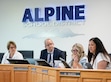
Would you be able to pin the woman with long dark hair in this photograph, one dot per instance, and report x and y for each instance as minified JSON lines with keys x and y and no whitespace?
{"x":97,"y":54}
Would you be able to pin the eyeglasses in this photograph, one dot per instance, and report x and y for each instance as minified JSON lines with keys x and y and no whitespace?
{"x":11,"y":47}
{"x":74,"y":50}
{"x":49,"y":44}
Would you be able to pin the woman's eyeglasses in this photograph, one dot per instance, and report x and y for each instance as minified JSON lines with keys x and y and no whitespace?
{"x":74,"y":50}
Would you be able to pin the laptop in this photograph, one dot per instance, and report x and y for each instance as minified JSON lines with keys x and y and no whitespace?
{"x":43,"y":62}
{"x":18,"y":61}
{"x":65,"y":63}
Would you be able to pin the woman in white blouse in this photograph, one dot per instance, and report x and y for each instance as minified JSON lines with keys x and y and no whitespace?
{"x":97,"y":54}
{"x":11,"y":53}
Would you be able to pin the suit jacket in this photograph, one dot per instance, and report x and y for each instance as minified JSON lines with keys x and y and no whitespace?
{"x":56,"y":54}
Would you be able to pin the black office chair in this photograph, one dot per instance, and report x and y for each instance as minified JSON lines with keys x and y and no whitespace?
{"x":1,"y":56}
{"x":27,"y":53}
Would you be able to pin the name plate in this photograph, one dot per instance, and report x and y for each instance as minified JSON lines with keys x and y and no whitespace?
{"x":33,"y":69}
{"x":69,"y":73}
{"x":21,"y":68}
{"x":45,"y":71}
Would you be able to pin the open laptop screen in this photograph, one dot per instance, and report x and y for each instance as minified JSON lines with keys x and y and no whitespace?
{"x":42,"y":62}
{"x":65,"y":63}
{"x":18,"y":61}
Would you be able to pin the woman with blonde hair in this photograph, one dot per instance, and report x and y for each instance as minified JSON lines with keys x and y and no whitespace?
{"x":79,"y":57}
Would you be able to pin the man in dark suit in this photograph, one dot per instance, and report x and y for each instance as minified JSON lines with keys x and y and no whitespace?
{"x":51,"y":53}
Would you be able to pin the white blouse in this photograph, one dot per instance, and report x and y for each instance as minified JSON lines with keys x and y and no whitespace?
{"x":99,"y":58}
{"x":17,"y":55}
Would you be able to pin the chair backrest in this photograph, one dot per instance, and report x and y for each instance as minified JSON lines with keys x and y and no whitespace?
{"x":1,"y":56}
{"x":27,"y":53}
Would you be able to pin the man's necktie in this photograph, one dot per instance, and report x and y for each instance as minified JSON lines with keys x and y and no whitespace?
{"x":51,"y":60}
{"x":49,"y":57}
